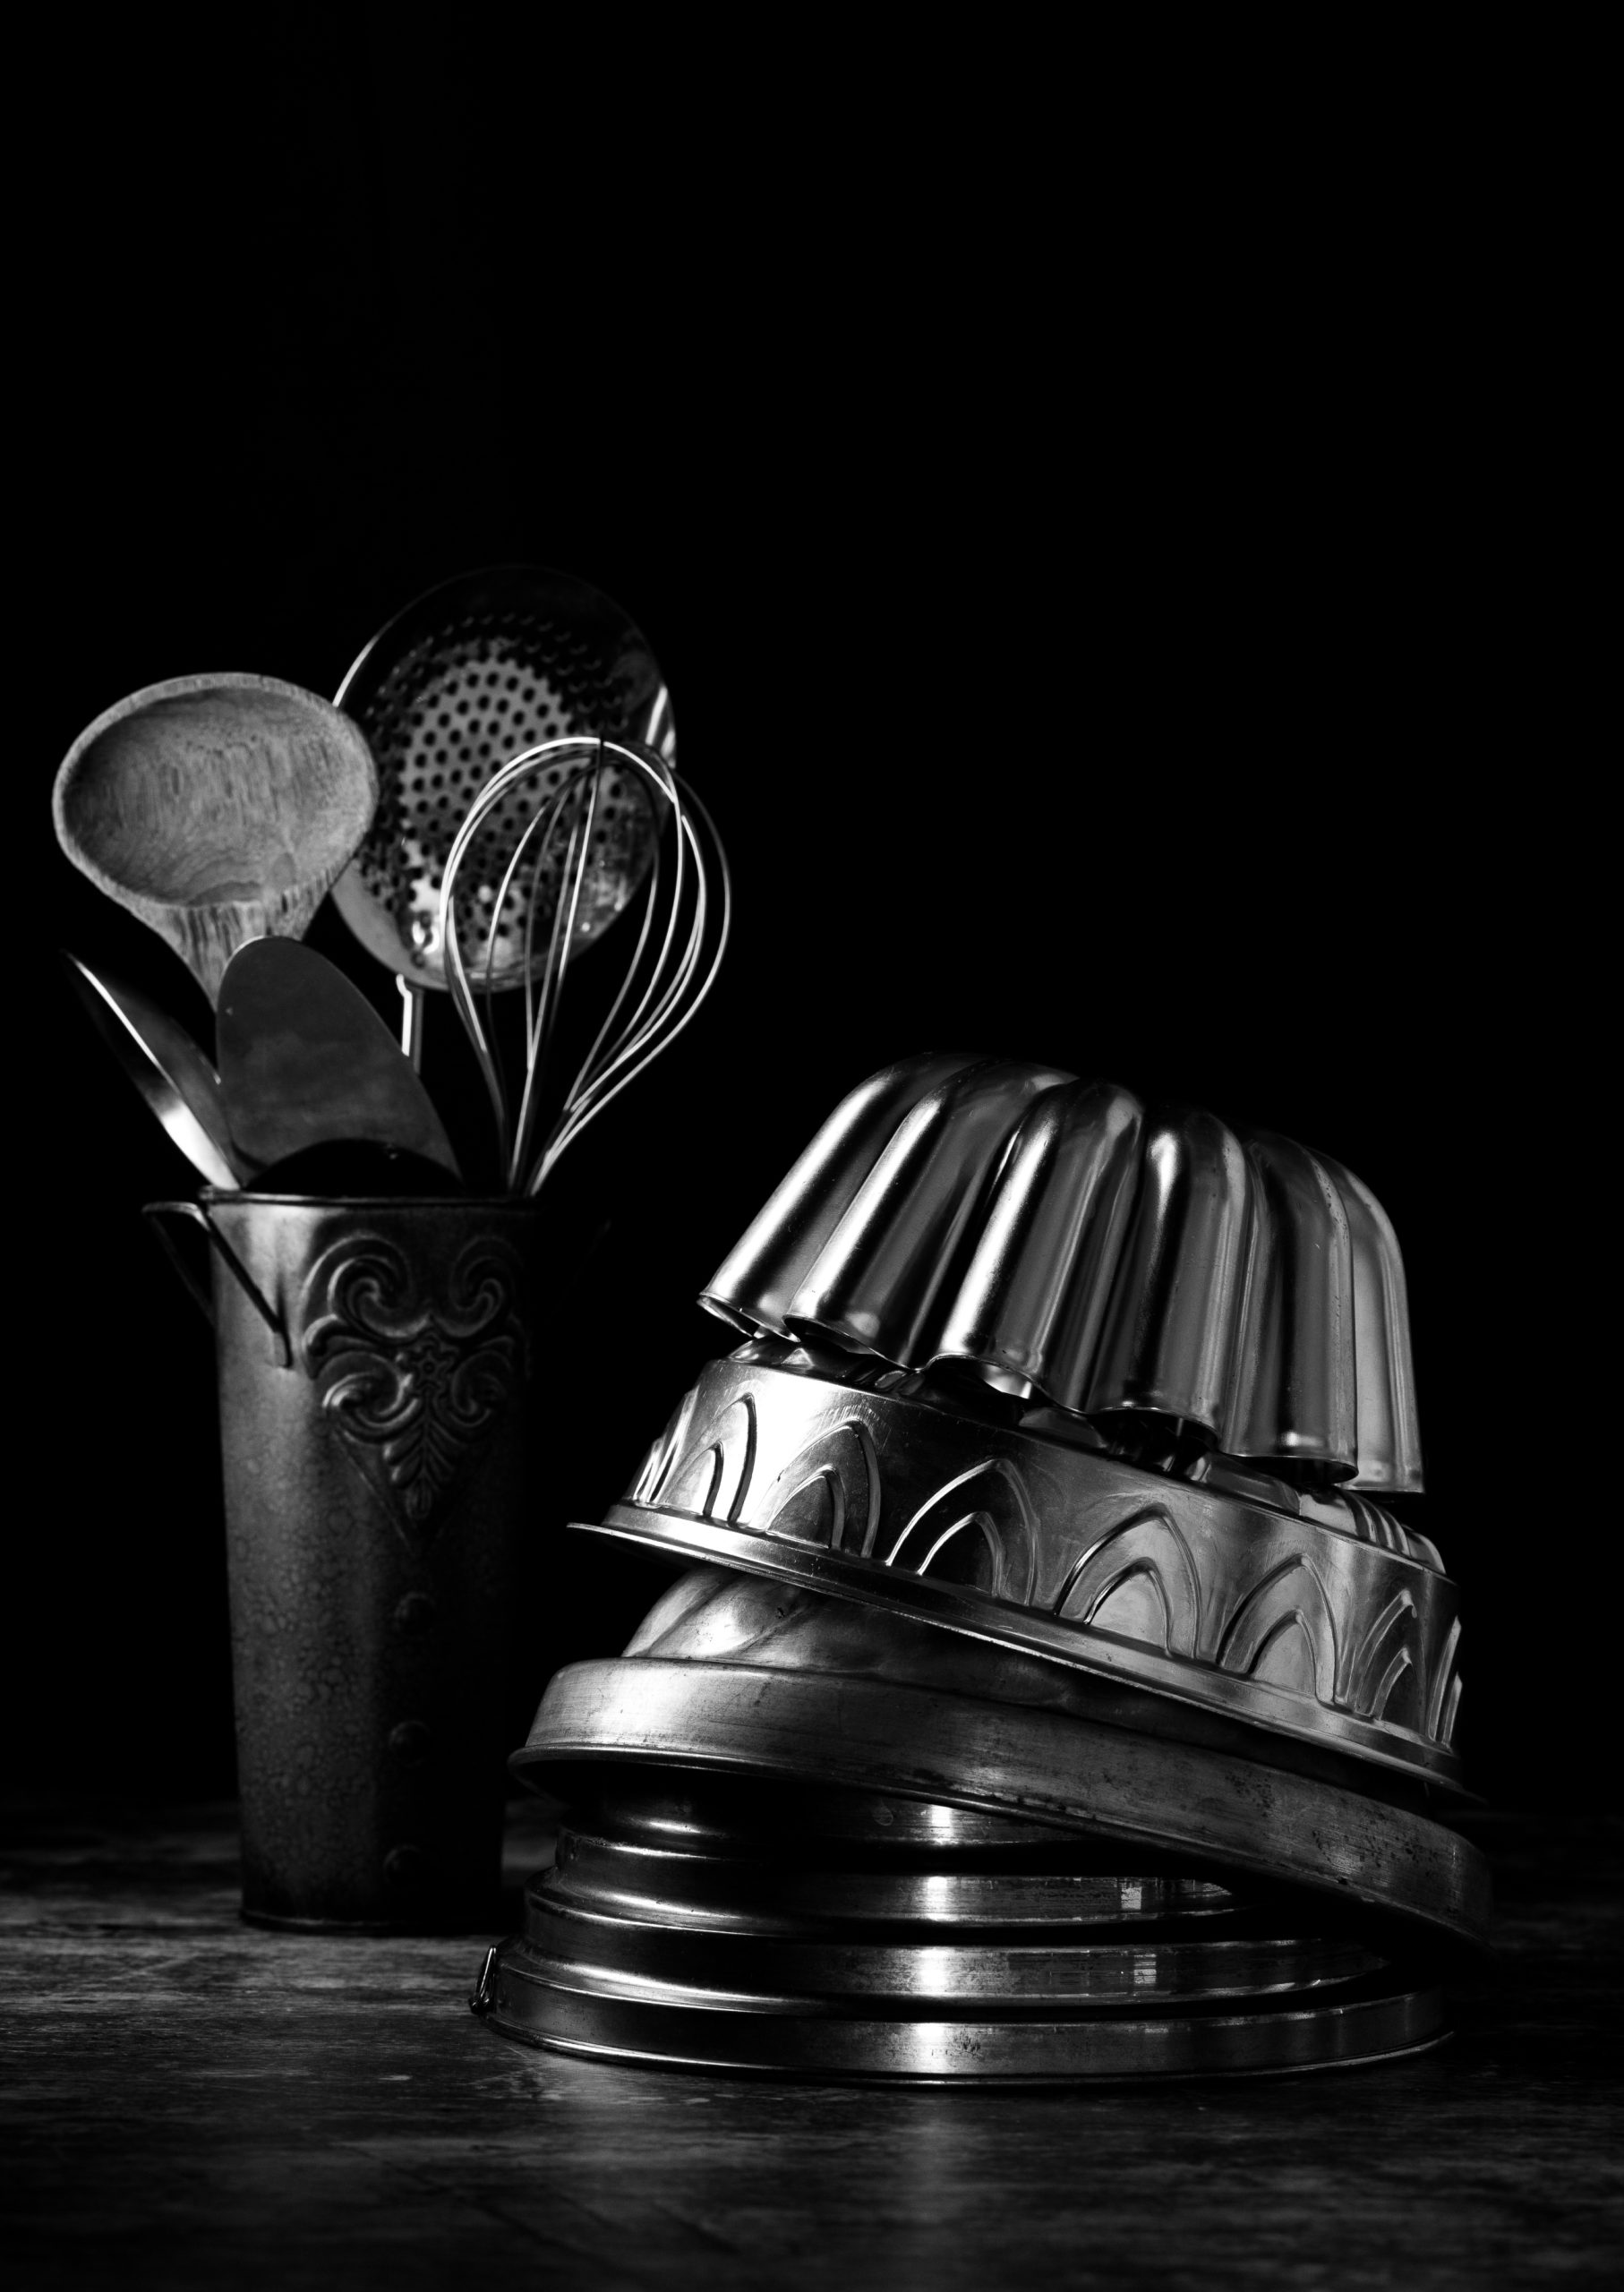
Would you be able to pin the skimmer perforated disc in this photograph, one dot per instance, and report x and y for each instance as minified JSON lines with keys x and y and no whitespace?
{"x":473,"y":672}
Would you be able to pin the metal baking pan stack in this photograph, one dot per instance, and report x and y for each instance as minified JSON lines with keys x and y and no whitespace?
{"x":1052,"y":1693}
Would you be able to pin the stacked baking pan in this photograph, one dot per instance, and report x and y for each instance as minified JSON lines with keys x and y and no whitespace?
{"x":1048,"y":1697}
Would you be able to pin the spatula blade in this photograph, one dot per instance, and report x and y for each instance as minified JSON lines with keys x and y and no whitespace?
{"x":306,"y":1061}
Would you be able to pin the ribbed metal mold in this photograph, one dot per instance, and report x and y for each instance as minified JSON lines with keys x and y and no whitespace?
{"x":1062,"y":1239}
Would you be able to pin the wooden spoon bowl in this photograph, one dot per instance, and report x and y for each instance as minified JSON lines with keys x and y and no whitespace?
{"x":218,"y":809}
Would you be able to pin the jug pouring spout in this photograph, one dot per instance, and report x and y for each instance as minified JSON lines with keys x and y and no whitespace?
{"x":197,"y":1213}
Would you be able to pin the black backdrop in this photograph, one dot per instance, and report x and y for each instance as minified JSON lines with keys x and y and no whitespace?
{"x":1094,"y":636}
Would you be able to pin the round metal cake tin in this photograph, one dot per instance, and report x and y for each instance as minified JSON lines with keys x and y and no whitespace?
{"x":877,"y":1734}
{"x":651,"y":1956}
{"x":778,"y":1898}
{"x":810,"y":1950}
{"x":544,"y":2004}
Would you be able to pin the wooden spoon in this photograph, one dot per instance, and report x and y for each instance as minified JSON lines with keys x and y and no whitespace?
{"x":217,"y":809}
{"x":306,"y":1061}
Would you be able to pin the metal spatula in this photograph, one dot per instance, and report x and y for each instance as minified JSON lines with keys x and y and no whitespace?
{"x":306,"y":1061}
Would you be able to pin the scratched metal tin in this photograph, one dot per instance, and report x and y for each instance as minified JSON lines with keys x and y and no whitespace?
{"x":568,"y":2010}
{"x":775,"y":1938}
{"x":755,"y":1682}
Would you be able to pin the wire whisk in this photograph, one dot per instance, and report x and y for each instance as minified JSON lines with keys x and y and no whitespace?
{"x":681,"y":938}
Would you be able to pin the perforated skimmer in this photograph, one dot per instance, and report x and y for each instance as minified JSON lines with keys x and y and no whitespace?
{"x":475,"y":672}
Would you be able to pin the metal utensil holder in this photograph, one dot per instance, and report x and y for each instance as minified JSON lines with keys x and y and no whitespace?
{"x":371,"y":1359}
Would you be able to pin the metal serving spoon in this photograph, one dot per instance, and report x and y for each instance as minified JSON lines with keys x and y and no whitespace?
{"x":306,"y":1061}
{"x":166,"y":1067}
{"x":216,"y":808}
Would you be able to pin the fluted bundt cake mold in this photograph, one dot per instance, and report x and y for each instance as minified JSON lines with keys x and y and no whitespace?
{"x":1316,"y":1617}
{"x":1067,"y":1243}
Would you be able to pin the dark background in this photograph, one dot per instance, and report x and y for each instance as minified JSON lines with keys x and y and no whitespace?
{"x":1109,"y":626}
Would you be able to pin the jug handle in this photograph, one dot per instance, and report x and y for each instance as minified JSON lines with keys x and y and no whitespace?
{"x":157,"y":1211}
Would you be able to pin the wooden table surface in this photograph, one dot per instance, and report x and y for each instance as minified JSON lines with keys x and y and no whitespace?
{"x":192,"y":2102}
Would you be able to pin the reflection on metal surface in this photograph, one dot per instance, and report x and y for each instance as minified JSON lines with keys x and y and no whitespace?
{"x":1169,"y":1344}
{"x":879,"y":1281}
{"x":714,"y":1892}
{"x":1324,"y":1620}
{"x":573,"y":2010}
{"x":1036,"y":1285}
{"x":1058,"y":1969}
{"x":1065,"y":1241}
{"x":1292,"y":1393}
{"x":1389,"y":1446}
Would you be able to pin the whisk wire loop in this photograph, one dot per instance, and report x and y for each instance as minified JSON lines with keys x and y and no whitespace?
{"x":651,"y":907}
{"x":462,"y":999}
{"x":538,"y":1038}
{"x":682,"y":935}
{"x":584,"y":1108}
{"x":536,"y":830}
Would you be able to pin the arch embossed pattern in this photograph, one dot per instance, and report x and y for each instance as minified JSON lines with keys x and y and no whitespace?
{"x":1332,"y":1623}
